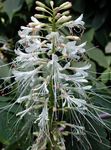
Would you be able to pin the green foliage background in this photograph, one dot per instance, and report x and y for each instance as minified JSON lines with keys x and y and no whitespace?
{"x":97,"y":15}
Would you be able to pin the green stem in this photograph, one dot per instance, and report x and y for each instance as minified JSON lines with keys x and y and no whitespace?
{"x":53,"y":22}
{"x":51,"y":105}
{"x":51,"y":92}
{"x":53,"y":30}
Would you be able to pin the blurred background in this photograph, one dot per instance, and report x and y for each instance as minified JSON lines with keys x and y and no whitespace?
{"x":97,"y":17}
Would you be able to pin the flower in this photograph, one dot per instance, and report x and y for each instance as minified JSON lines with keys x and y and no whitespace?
{"x":25,"y":31}
{"x":22,"y":99}
{"x":71,"y":101}
{"x":51,"y":77}
{"x":43,"y":118}
{"x":36,"y":24}
{"x":78,"y":21}
{"x":71,"y":50}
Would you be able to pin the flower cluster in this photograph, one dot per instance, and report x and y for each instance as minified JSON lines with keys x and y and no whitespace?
{"x":52,"y":74}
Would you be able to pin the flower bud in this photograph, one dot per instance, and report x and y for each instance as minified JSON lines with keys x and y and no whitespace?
{"x":40,"y":16}
{"x":52,"y":4}
{"x":57,"y":9}
{"x":50,"y":19}
{"x":41,"y":9}
{"x":32,"y":24}
{"x":40,"y":4}
{"x":64,"y":19}
{"x":73,"y":38}
{"x":66,"y":13}
{"x":58,"y":16}
{"x":65,"y":5}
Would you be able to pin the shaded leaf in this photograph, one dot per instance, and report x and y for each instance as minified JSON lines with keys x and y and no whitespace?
{"x":105,"y":76}
{"x":6,"y":128}
{"x":108,"y":48}
{"x":97,"y":55}
{"x":29,"y":3}
{"x":101,"y":142}
{"x":4,"y":70}
{"x":108,"y":58}
{"x":79,"y":6}
{"x":92,"y":70}
{"x":89,"y":35}
{"x":4,"y":99}
{"x":12,"y":6}
{"x":99,"y":19}
{"x":102,"y":37}
{"x":3,"y":39}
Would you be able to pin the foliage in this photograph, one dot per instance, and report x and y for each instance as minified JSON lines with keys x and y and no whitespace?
{"x":15,"y":13}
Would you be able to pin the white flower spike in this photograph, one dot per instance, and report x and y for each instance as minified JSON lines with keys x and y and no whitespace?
{"x":52,"y":75}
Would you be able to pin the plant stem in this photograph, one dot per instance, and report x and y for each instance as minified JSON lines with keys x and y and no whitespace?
{"x":53,"y":30}
{"x":51,"y":92}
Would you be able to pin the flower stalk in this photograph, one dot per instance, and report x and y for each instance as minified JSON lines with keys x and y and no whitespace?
{"x":52,"y":75}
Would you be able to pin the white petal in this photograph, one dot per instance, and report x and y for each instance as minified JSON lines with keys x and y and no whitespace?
{"x":87,"y":87}
{"x":79,"y":20}
{"x":35,"y":20}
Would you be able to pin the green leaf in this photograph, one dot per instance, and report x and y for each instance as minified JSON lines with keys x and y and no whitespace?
{"x":99,"y":19}
{"x":102,"y":97}
{"x":108,"y":48}
{"x":102,"y":36}
{"x":4,"y":99}
{"x":97,"y":55}
{"x":8,"y":120}
{"x":88,"y":36}
{"x":29,"y":3}
{"x":108,"y":60}
{"x":101,"y":142}
{"x":3,"y":39}
{"x":4,"y":70}
{"x":105,"y":76}
{"x":12,"y":6}
{"x":92,"y":70}
{"x":6,"y":127}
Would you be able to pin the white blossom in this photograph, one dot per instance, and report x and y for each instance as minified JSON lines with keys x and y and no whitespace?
{"x":43,"y":117}
{"x":23,"y":98}
{"x":71,"y":50}
{"x":76,"y":22}
{"x":41,"y":89}
{"x":24,"y":31}
{"x":79,"y":21}
{"x":36,"y":24}
{"x":46,"y":73}
{"x":20,"y":75}
{"x":71,"y":101}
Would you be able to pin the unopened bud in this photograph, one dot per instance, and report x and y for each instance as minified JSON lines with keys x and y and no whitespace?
{"x":73,"y":38}
{"x":32,"y":24}
{"x":40,"y":16}
{"x":64,"y":19}
{"x":41,"y":9}
{"x":52,"y":4}
{"x":57,"y":9}
{"x":58,"y":16}
{"x":50,"y":19}
{"x":66,"y":13}
{"x":40,"y":4}
{"x":65,"y":5}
